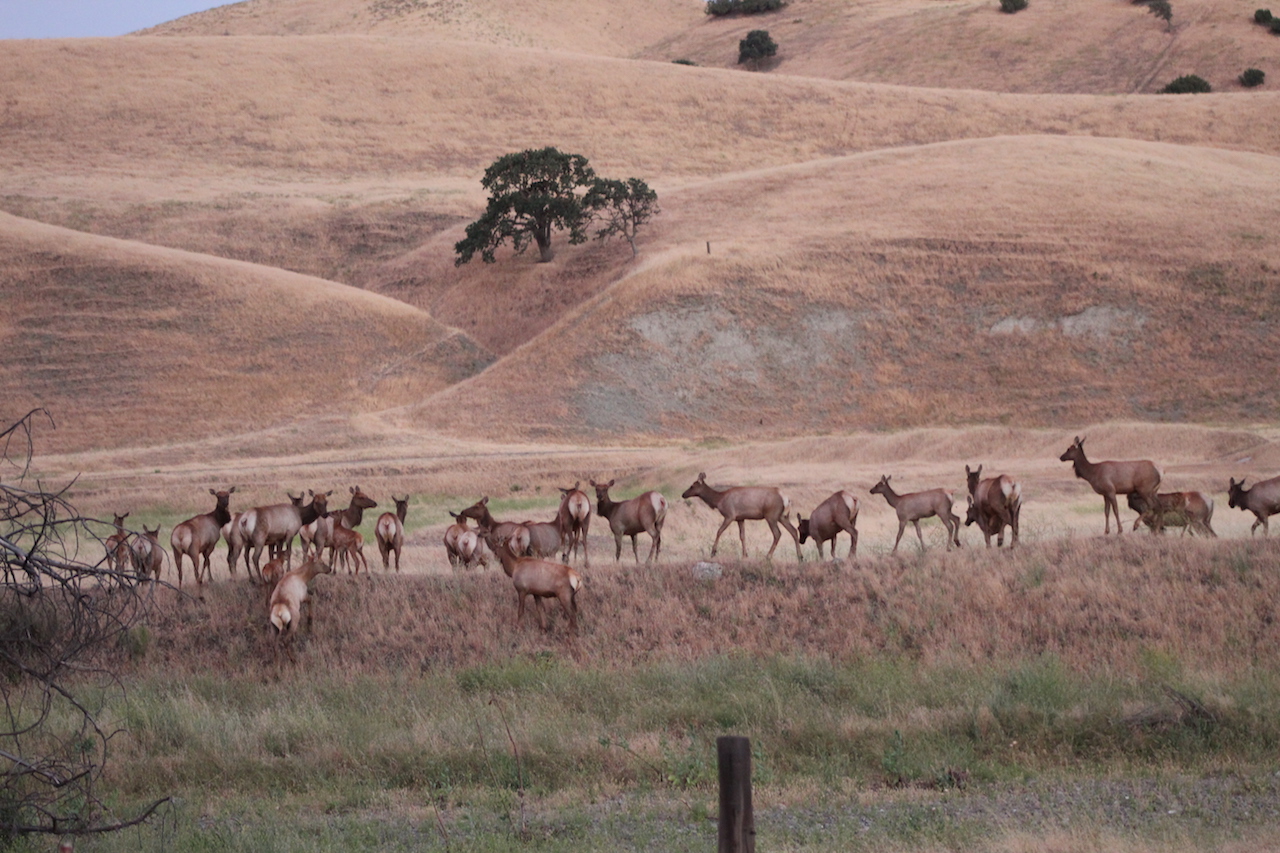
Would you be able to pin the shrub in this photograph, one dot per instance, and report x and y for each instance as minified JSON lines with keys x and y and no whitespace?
{"x":683,"y":62}
{"x":1011,"y":6}
{"x":756,"y":46}
{"x":1275,"y":26}
{"x":720,"y":8}
{"x":1252,"y":77}
{"x":1187,"y":84}
{"x":1262,"y":16}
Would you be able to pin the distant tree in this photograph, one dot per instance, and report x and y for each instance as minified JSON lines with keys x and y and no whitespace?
{"x":531,"y":193}
{"x":1162,"y":9}
{"x":1188,"y":84}
{"x":755,"y":47}
{"x":683,"y":62}
{"x":1252,"y":77}
{"x":1262,"y":16}
{"x":621,"y":207}
{"x":720,"y":8}
{"x":1011,"y":6}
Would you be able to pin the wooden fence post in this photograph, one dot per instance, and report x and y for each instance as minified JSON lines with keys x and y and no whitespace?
{"x":737,"y":833}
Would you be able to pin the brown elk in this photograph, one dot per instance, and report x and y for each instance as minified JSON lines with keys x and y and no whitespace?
{"x":350,"y":518}
{"x":1114,"y":478}
{"x":997,"y":502}
{"x":290,"y":596}
{"x":234,"y":537}
{"x":838,"y":512}
{"x":574,"y":518}
{"x":197,"y":536}
{"x":915,"y":506}
{"x":276,"y":525}
{"x":315,"y":536}
{"x":539,"y":578}
{"x":746,"y":503}
{"x":1192,"y":511}
{"x":147,"y":555}
{"x":348,"y":546}
{"x":479,"y":511}
{"x":1263,"y":500}
{"x":471,"y":549}
{"x":117,"y":544}
{"x":389,"y":531}
{"x":450,"y":539}
{"x":642,"y":514}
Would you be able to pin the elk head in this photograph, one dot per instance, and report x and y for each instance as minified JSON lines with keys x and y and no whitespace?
{"x":1073,"y":453}
{"x":1235,"y":494}
{"x":694,"y":490}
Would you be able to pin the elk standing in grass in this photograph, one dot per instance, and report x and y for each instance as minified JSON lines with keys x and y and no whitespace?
{"x":1263,"y":500}
{"x":471,"y":550}
{"x":838,"y":512}
{"x":746,"y":503}
{"x":290,"y":596}
{"x":348,"y":546}
{"x":479,"y":511}
{"x":574,"y":518}
{"x":642,"y":514}
{"x":1192,"y":511}
{"x":920,"y":505}
{"x":996,"y":503}
{"x":1114,"y":478}
{"x":147,"y":555}
{"x":315,"y":536}
{"x":539,"y":578}
{"x":275,"y":526}
{"x":389,"y":531}
{"x":197,"y":536}
{"x":117,"y":544}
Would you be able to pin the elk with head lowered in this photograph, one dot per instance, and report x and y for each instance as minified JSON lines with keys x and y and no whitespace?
{"x":838,"y":512}
{"x":642,"y":514}
{"x":994,"y":503}
{"x":1109,"y":479}
{"x":746,"y":503}
{"x":1192,"y":511}
{"x":915,"y":506}
{"x":1263,"y":500}
{"x":197,"y":536}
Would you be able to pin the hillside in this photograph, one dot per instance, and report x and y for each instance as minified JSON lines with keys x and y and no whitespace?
{"x":1064,"y":46}
{"x":881,"y":255}
{"x":126,"y":343}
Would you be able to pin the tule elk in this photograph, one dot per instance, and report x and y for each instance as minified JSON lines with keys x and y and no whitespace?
{"x":117,"y":544}
{"x":1114,"y":478}
{"x":574,"y":518}
{"x":147,"y":554}
{"x":1263,"y":500}
{"x":915,"y":506}
{"x":197,"y":536}
{"x":996,"y":503}
{"x":291,"y":595}
{"x":1192,"y":511}
{"x":479,"y":511}
{"x":642,"y":514}
{"x":389,"y":531}
{"x":275,"y":526}
{"x":538,"y":578}
{"x":746,"y":503}
{"x":838,"y":512}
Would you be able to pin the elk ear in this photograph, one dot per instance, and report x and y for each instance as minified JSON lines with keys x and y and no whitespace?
{"x":576,"y":483}
{"x":611,"y":482}
{"x":484,"y":501}
{"x":979,"y":471}
{"x":215,"y":494}
{"x":702,"y":476}
{"x":354,"y":489}
{"x":313,"y":494}
{"x":326,"y":494}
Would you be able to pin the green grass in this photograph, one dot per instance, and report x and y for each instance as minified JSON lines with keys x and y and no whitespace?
{"x":624,"y":759}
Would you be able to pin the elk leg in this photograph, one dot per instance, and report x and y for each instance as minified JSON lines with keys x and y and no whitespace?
{"x":542,"y":616}
{"x":742,"y":537}
{"x":634,"y":551}
{"x":617,"y":554}
{"x":716,"y":541}
{"x":902,"y":525}
{"x":920,"y":535}
{"x":795,"y":534}
{"x":655,"y":546}
{"x":777,"y":537}
{"x":519,"y":609}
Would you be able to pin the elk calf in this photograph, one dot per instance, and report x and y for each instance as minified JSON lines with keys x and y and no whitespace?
{"x":1263,"y":500}
{"x":838,"y":512}
{"x":746,"y":503}
{"x":918,"y":505}
{"x":1192,"y":511}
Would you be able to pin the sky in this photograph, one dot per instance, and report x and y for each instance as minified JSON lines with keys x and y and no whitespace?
{"x":25,"y":19}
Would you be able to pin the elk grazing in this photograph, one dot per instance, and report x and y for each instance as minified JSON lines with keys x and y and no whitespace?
{"x":539,"y":578}
{"x":1114,"y":478}
{"x":197,"y":536}
{"x":479,"y":511}
{"x":838,"y":512}
{"x":746,"y":503}
{"x":117,"y":544}
{"x":920,"y":505}
{"x":389,"y":531}
{"x":574,"y":518}
{"x":147,"y":554}
{"x":290,"y":596}
{"x":275,"y":525}
{"x":996,"y":503}
{"x":642,"y":514}
{"x":1192,"y":511}
{"x":1263,"y":500}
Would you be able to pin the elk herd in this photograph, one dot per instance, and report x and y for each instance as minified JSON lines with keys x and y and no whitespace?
{"x":535,"y":555}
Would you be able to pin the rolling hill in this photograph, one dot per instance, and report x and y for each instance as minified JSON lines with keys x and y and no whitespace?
{"x":881,"y":253}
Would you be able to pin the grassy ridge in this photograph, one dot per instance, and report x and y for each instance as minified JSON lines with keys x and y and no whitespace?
{"x":892,"y":705}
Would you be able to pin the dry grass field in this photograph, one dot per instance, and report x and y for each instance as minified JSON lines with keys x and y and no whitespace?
{"x":928,"y":235}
